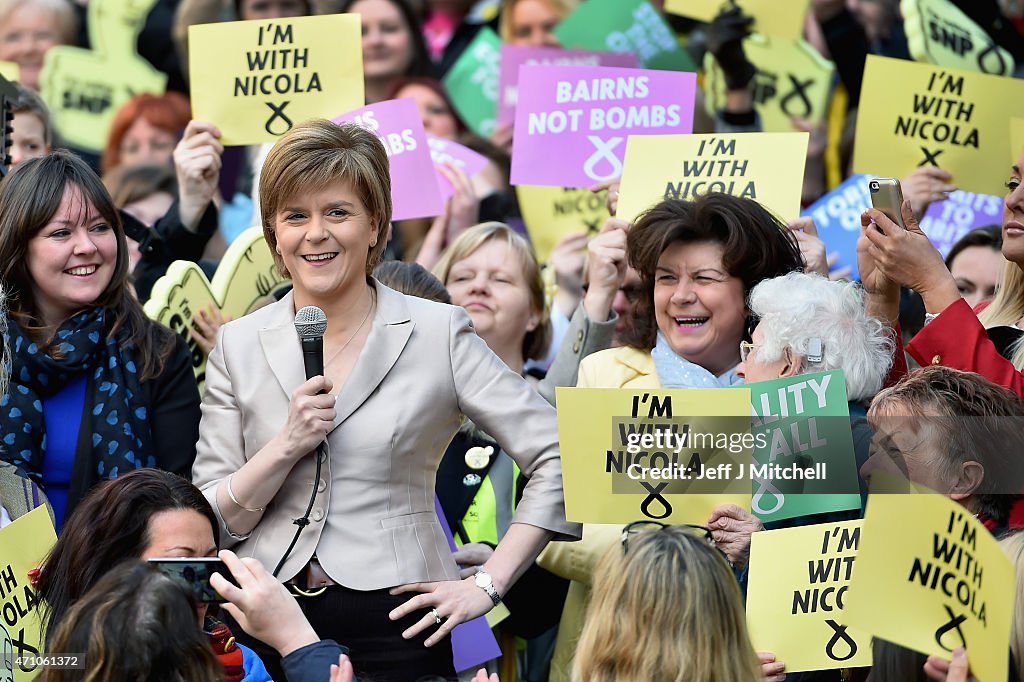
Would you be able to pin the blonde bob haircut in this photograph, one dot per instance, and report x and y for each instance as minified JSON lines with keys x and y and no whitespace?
{"x":536,"y":342}
{"x":62,"y":10}
{"x":560,"y":7}
{"x":316,"y":154}
{"x":668,"y":609}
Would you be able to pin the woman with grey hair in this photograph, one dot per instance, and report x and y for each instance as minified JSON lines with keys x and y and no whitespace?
{"x":807,"y":323}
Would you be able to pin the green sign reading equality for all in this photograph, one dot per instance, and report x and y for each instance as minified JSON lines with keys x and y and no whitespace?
{"x":625,"y":26}
{"x":802,"y":423}
{"x":472,"y":83}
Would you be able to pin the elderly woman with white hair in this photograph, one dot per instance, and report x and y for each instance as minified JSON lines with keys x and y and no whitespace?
{"x":807,"y":323}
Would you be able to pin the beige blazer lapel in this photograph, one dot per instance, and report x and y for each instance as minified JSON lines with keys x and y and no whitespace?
{"x":392,"y":327}
{"x":281,"y":347}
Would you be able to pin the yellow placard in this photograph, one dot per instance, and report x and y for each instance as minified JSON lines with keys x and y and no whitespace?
{"x":767,"y":167}
{"x":930,"y":577}
{"x":85,"y":88}
{"x":792,"y":81}
{"x":10,"y":70}
{"x":270,"y":75}
{"x":552,"y":213}
{"x":666,"y":455}
{"x":246,"y":279}
{"x":938,"y":32}
{"x":1016,"y":140}
{"x":796,"y":589}
{"x":23,"y":545}
{"x":771,"y":17}
{"x":914,"y":114}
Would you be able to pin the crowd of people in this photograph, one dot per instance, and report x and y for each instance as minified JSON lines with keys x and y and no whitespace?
{"x":363,"y":511}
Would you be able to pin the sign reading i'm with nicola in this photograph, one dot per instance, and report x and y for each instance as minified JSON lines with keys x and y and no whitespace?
{"x":256,"y":79}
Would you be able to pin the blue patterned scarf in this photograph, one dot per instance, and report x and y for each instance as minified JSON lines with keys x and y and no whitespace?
{"x":675,"y":371}
{"x":120,"y":435}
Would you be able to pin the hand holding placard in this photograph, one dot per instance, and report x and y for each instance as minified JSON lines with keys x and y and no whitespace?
{"x":246,"y":279}
{"x":197,"y":163}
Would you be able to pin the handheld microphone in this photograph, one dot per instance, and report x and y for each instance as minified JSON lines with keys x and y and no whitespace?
{"x":310,"y":325}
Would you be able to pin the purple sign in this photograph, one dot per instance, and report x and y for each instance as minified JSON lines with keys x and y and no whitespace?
{"x":947,"y":221}
{"x":572,"y":121}
{"x":514,"y":56}
{"x":473,"y":643}
{"x":398,"y":124}
{"x":444,"y":151}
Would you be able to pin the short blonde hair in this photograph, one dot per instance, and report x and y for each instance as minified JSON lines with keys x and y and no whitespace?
{"x":560,"y":7}
{"x":67,"y":21}
{"x":535,"y":345}
{"x":315,"y":154}
{"x":668,"y":608}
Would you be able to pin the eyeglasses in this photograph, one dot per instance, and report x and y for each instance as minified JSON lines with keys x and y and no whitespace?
{"x":637,"y":526}
{"x":745,"y":348}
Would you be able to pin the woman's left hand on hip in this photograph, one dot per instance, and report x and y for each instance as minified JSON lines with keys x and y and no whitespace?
{"x":453,"y":601}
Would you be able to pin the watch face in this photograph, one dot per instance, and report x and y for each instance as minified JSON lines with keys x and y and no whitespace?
{"x":482,"y":579}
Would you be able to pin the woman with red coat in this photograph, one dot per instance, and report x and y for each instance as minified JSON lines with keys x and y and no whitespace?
{"x":986,"y":340}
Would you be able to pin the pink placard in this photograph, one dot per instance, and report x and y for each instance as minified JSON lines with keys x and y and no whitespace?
{"x":572,"y":121}
{"x":447,"y":151}
{"x":397,"y":122}
{"x":514,"y":56}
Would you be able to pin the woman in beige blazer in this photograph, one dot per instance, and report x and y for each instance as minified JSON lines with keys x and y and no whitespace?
{"x":400,"y":374}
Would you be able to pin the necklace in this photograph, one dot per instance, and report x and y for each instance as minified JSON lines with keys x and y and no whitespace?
{"x":369,"y":309}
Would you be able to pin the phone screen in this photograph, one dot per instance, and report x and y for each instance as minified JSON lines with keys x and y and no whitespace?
{"x":194,"y":574}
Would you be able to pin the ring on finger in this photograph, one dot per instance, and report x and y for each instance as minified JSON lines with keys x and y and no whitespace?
{"x":437,"y":616}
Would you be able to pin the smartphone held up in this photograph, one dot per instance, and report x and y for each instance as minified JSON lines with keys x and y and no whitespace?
{"x":193,"y":573}
{"x":887,"y":197}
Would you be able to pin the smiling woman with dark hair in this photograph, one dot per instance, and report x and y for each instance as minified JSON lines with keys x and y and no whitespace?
{"x":97,"y":388}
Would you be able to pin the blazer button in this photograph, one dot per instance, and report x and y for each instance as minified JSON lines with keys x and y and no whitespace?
{"x":937,"y":360}
{"x":579,"y":335}
{"x":576,"y":347}
{"x":322,"y":486}
{"x":318,"y":515}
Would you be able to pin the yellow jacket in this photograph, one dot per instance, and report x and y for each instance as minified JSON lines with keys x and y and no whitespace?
{"x":577,"y":561}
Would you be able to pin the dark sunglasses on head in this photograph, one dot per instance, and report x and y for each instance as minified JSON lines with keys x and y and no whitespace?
{"x":637,"y":526}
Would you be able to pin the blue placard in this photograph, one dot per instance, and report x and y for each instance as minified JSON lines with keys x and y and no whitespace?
{"x":837,"y":216}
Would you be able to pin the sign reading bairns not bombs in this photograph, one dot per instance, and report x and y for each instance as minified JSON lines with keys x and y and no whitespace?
{"x":915,"y":115}
{"x":256,"y":79}
{"x":572,"y":121}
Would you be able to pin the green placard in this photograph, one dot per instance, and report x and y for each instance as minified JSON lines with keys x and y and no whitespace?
{"x":625,"y":26}
{"x":472,"y":82}
{"x":802,"y":423}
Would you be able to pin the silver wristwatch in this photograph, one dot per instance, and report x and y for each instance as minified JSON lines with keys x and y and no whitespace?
{"x":484,"y":582}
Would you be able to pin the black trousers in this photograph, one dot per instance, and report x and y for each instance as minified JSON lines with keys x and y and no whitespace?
{"x":359,"y":620}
